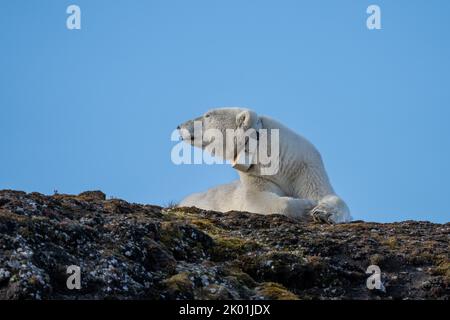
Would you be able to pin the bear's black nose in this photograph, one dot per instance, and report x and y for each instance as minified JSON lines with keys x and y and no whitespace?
{"x":178,"y":127}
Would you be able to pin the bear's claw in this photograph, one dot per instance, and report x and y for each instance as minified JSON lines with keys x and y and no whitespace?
{"x":321,"y":216}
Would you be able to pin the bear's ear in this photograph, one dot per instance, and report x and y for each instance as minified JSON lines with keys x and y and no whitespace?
{"x":246,"y":119}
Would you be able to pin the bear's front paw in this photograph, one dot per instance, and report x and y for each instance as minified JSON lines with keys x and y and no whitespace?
{"x":322,"y":214}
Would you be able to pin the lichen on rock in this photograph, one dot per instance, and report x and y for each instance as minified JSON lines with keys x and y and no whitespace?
{"x":133,"y":251}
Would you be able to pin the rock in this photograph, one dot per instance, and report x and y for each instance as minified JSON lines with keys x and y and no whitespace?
{"x":274,"y":291}
{"x":132,"y":251}
{"x":92,"y":195}
{"x":179,"y":286}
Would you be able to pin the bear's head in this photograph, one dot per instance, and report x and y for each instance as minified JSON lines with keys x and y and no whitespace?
{"x":229,"y":125}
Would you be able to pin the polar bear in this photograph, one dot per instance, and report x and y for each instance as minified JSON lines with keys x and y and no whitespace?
{"x":300,"y":188}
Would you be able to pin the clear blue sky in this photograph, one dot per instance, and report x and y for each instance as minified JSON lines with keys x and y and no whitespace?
{"x":94,"y":108}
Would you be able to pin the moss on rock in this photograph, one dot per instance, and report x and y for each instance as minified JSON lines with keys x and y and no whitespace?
{"x":275,"y":291}
{"x":133,"y":251}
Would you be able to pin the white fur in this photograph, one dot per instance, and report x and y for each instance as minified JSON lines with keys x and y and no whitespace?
{"x":300,"y":188}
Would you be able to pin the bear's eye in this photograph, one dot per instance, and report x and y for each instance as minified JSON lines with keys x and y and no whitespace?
{"x":207,"y":115}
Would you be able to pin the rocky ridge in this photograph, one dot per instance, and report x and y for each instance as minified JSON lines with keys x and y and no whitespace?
{"x":133,"y":251}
